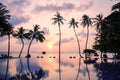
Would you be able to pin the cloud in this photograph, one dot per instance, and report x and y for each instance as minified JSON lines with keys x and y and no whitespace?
{"x":64,"y":41}
{"x":46,"y":30}
{"x":84,"y":7}
{"x":15,"y":20}
{"x":54,"y":7}
{"x":64,"y":6}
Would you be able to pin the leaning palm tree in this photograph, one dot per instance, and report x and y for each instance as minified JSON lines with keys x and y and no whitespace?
{"x":20,"y":34}
{"x":58,"y":19}
{"x":74,"y":24}
{"x":116,"y":6}
{"x":86,"y":22}
{"x":34,"y":34}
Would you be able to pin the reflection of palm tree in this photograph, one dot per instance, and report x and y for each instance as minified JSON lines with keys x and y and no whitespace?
{"x":7,"y":68}
{"x":74,"y":24}
{"x":86,"y":21}
{"x":78,"y":69}
{"x":59,"y":20}
{"x":116,"y":6}
{"x":60,"y":70}
{"x":20,"y":34}
{"x":88,"y":71}
{"x":21,"y":67}
{"x":35,"y":34}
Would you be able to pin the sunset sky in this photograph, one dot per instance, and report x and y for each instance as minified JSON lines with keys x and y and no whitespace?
{"x":27,"y":13}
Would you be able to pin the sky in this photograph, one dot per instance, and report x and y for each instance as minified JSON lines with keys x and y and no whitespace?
{"x":27,"y":13}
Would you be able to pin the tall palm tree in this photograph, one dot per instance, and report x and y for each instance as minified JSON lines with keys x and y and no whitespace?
{"x":20,"y":34}
{"x":34,"y":34}
{"x":58,"y":19}
{"x":5,"y":26}
{"x":74,"y":24}
{"x":100,"y":23}
{"x":86,"y":22}
{"x":116,"y":6}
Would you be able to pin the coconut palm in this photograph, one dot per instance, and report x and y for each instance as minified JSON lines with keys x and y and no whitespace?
{"x":20,"y":34}
{"x":5,"y":26}
{"x":58,"y":19}
{"x":116,"y":6}
{"x":99,"y":22}
{"x":34,"y":34}
{"x":86,"y":22}
{"x":74,"y":24}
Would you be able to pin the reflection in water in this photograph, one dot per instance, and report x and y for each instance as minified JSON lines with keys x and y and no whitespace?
{"x":78,"y":69}
{"x":69,"y":69}
{"x":108,"y":70}
{"x":34,"y":75}
{"x":7,"y":68}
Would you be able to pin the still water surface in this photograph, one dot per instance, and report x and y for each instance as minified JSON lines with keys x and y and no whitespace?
{"x":46,"y":67}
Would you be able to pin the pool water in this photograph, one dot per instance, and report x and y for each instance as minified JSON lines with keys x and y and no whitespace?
{"x":46,"y":67}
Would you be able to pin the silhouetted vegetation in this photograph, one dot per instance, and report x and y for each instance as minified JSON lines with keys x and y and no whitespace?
{"x":5,"y":26}
{"x":74,"y":24}
{"x":34,"y":34}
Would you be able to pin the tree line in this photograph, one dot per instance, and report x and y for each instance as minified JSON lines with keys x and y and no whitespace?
{"x":107,"y":28}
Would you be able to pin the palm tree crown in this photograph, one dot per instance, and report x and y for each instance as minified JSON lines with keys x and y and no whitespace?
{"x":86,"y":21}
{"x":58,"y":19}
{"x":73,"y":23}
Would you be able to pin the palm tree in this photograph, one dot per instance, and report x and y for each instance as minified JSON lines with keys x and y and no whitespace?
{"x":74,"y":24}
{"x":116,"y":6}
{"x":5,"y":26}
{"x":86,"y":22}
{"x":59,"y":20}
{"x":99,"y":22}
{"x":20,"y":34}
{"x":34,"y":34}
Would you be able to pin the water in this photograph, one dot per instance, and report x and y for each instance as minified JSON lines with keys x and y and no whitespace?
{"x":46,"y":67}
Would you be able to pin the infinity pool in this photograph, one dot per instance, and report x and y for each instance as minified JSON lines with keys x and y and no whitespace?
{"x":46,"y":67}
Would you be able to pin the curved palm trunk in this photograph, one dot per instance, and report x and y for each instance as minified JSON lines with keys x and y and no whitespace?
{"x":8,"y":45}
{"x":21,"y":67}
{"x":29,"y":46}
{"x":78,"y":43}
{"x":78,"y":69}
{"x":87,"y":40}
{"x":59,"y":50}
{"x":21,"y":48}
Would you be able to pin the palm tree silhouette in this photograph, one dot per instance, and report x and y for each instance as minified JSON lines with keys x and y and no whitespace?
{"x":59,"y":20}
{"x":86,"y":21}
{"x":34,"y":34}
{"x":5,"y":26}
{"x":116,"y":6}
{"x":99,"y":22}
{"x":20,"y":34}
{"x":74,"y":24}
